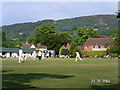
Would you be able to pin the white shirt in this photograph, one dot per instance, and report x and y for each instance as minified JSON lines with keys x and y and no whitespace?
{"x":47,"y":54}
{"x":39,"y":53}
{"x":34,"y":52}
{"x":77,"y":54}
{"x":20,"y":52}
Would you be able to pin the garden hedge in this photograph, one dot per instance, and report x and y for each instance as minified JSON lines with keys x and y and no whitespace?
{"x":93,"y":53}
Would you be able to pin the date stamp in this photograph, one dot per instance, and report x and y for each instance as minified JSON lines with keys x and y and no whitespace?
{"x":107,"y":81}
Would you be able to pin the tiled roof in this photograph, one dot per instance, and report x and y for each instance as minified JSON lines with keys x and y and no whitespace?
{"x":26,"y":45}
{"x":41,"y":46}
{"x":98,"y":41}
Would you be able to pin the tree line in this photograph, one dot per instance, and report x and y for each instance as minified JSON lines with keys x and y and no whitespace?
{"x":101,"y":23}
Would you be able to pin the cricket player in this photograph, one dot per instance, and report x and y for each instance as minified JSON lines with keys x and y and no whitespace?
{"x":39,"y":55}
{"x":26,"y":55}
{"x":43,"y":55}
{"x":78,"y":56}
{"x":20,"y":56}
{"x":47,"y":54}
{"x":34,"y":55}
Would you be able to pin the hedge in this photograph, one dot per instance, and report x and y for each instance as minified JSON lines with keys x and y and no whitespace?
{"x":93,"y":53}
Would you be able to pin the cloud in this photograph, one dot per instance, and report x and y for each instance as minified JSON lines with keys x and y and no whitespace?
{"x":14,"y":12}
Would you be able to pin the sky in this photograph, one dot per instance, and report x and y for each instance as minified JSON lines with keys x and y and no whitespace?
{"x":21,"y":12}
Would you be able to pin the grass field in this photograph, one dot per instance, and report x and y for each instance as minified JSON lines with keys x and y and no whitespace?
{"x":60,"y":73}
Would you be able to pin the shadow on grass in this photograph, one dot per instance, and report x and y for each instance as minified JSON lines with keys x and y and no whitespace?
{"x":4,"y":71}
{"x":21,"y":80}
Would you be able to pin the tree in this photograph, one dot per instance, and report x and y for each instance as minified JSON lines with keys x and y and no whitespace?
{"x":115,"y":47}
{"x":54,"y":41}
{"x":2,"y":39}
{"x":42,"y":30}
{"x":47,"y":35}
{"x":45,"y":29}
{"x":73,"y":45}
{"x":86,"y":32}
{"x":76,"y":49}
{"x":83,"y":33}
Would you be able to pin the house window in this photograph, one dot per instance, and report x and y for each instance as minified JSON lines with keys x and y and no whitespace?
{"x":98,"y":46}
{"x":93,"y":46}
{"x":87,"y":46}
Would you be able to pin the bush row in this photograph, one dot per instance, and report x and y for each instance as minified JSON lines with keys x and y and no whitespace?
{"x":93,"y":53}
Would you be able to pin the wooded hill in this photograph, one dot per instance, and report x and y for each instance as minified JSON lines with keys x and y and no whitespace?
{"x":105,"y":25}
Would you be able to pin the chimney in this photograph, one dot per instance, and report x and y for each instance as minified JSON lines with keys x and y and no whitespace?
{"x":27,"y":42}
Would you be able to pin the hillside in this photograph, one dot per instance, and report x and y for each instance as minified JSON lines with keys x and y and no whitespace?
{"x":105,"y":25}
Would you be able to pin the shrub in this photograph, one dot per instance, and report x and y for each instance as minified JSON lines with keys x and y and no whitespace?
{"x":114,"y":51}
{"x":76,"y":49}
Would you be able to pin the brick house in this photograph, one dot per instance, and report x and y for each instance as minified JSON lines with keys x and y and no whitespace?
{"x":97,"y":44}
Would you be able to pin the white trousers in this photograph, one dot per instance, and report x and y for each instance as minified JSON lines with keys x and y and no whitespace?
{"x":20,"y":59}
{"x":34,"y":57}
{"x":78,"y":57}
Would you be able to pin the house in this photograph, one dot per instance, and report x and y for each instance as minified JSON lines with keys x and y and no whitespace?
{"x":41,"y":47}
{"x":97,"y":44}
{"x":28,"y":45}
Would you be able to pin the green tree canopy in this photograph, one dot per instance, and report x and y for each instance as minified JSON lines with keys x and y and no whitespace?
{"x":54,"y":41}
{"x":115,"y":48}
{"x":76,"y":49}
{"x":86,"y":32}
{"x":83,"y":33}
{"x":47,"y":35}
{"x":2,"y":39}
{"x":45,"y":29}
{"x":42,"y":30}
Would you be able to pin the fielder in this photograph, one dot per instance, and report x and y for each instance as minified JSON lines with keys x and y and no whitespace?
{"x":26,"y":55}
{"x":39,"y":55}
{"x":78,"y":56}
{"x":20,"y":55}
{"x":34,"y":55}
